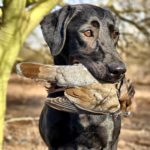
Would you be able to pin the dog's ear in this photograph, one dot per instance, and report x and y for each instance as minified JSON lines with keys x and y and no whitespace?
{"x":54,"y":27}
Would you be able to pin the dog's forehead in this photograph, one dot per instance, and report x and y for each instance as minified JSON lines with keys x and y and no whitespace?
{"x":86,"y":13}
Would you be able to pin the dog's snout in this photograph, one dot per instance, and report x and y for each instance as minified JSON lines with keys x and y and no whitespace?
{"x":117,"y":68}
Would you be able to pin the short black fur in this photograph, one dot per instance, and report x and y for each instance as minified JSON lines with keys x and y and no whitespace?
{"x":65,"y":33}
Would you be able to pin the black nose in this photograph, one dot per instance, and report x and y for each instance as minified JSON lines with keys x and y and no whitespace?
{"x":117,"y":68}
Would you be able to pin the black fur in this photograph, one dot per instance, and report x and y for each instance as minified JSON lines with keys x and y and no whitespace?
{"x":64,"y":33}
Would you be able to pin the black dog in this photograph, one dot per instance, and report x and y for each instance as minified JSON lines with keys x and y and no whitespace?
{"x":82,"y":34}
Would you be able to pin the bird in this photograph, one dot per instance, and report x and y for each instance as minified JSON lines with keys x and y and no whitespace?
{"x":83,"y":95}
{"x":94,"y":98}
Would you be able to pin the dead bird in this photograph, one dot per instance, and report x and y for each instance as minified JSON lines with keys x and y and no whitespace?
{"x":84,"y":94}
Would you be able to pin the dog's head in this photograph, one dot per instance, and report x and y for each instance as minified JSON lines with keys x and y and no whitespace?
{"x":85,"y":34}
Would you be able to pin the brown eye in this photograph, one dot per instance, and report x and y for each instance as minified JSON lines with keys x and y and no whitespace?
{"x":113,"y":31}
{"x":88,"y":33}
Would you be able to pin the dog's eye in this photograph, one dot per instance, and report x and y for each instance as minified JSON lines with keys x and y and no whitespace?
{"x":115,"y":34}
{"x":88,"y":33}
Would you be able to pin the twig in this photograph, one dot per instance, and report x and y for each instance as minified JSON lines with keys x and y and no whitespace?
{"x":20,"y":119}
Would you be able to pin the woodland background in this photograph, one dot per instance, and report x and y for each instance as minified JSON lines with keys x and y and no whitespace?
{"x":25,"y":98}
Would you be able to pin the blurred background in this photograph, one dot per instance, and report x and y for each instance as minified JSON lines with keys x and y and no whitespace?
{"x":25,"y":98}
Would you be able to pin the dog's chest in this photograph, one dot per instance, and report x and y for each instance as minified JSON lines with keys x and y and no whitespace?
{"x":97,"y":120}
{"x":95,"y":128}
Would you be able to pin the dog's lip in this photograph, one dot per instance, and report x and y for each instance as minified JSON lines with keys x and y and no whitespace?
{"x":75,"y":62}
{"x":115,"y":75}
{"x":113,"y":78}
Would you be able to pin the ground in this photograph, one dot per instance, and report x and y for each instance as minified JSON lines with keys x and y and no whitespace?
{"x":25,"y":99}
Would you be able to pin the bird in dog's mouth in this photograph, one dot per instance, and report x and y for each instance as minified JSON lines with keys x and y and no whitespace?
{"x":82,"y":93}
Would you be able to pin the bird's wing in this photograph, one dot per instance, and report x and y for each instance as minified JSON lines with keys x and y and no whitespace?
{"x":92,"y":100}
{"x":81,"y":93}
{"x":62,"y":104}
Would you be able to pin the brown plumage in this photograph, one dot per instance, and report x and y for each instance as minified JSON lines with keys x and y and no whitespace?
{"x":82,"y":92}
{"x":99,"y":100}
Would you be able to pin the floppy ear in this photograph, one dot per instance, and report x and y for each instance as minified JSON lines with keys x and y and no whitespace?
{"x":54,"y":27}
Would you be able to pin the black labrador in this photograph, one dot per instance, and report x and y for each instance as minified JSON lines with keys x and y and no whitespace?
{"x":84,"y":34}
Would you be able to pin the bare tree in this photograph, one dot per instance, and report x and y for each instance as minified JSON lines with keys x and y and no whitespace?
{"x":134,"y":21}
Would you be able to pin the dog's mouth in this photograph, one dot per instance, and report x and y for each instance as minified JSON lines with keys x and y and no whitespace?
{"x":113,"y":78}
{"x":100,"y":71}
{"x":102,"y":74}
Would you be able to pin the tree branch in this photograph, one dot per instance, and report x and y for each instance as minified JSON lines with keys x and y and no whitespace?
{"x":127,"y":10}
{"x":140,"y":28}
{"x":12,"y":10}
{"x":31,"y":2}
{"x":36,"y":14}
{"x":132,"y":22}
{"x":0,"y":13}
{"x":21,"y":119}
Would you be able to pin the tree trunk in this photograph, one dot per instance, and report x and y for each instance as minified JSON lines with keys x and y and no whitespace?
{"x":17,"y":23}
{"x":8,"y":57}
{"x":3,"y":88}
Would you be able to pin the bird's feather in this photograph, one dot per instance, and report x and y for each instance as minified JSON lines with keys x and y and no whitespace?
{"x":62,"y":104}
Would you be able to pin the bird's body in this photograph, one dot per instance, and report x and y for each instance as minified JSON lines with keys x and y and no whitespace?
{"x":95,"y":98}
{"x":85,"y":93}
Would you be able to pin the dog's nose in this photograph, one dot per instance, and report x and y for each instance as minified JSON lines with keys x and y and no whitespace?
{"x":117,"y":68}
